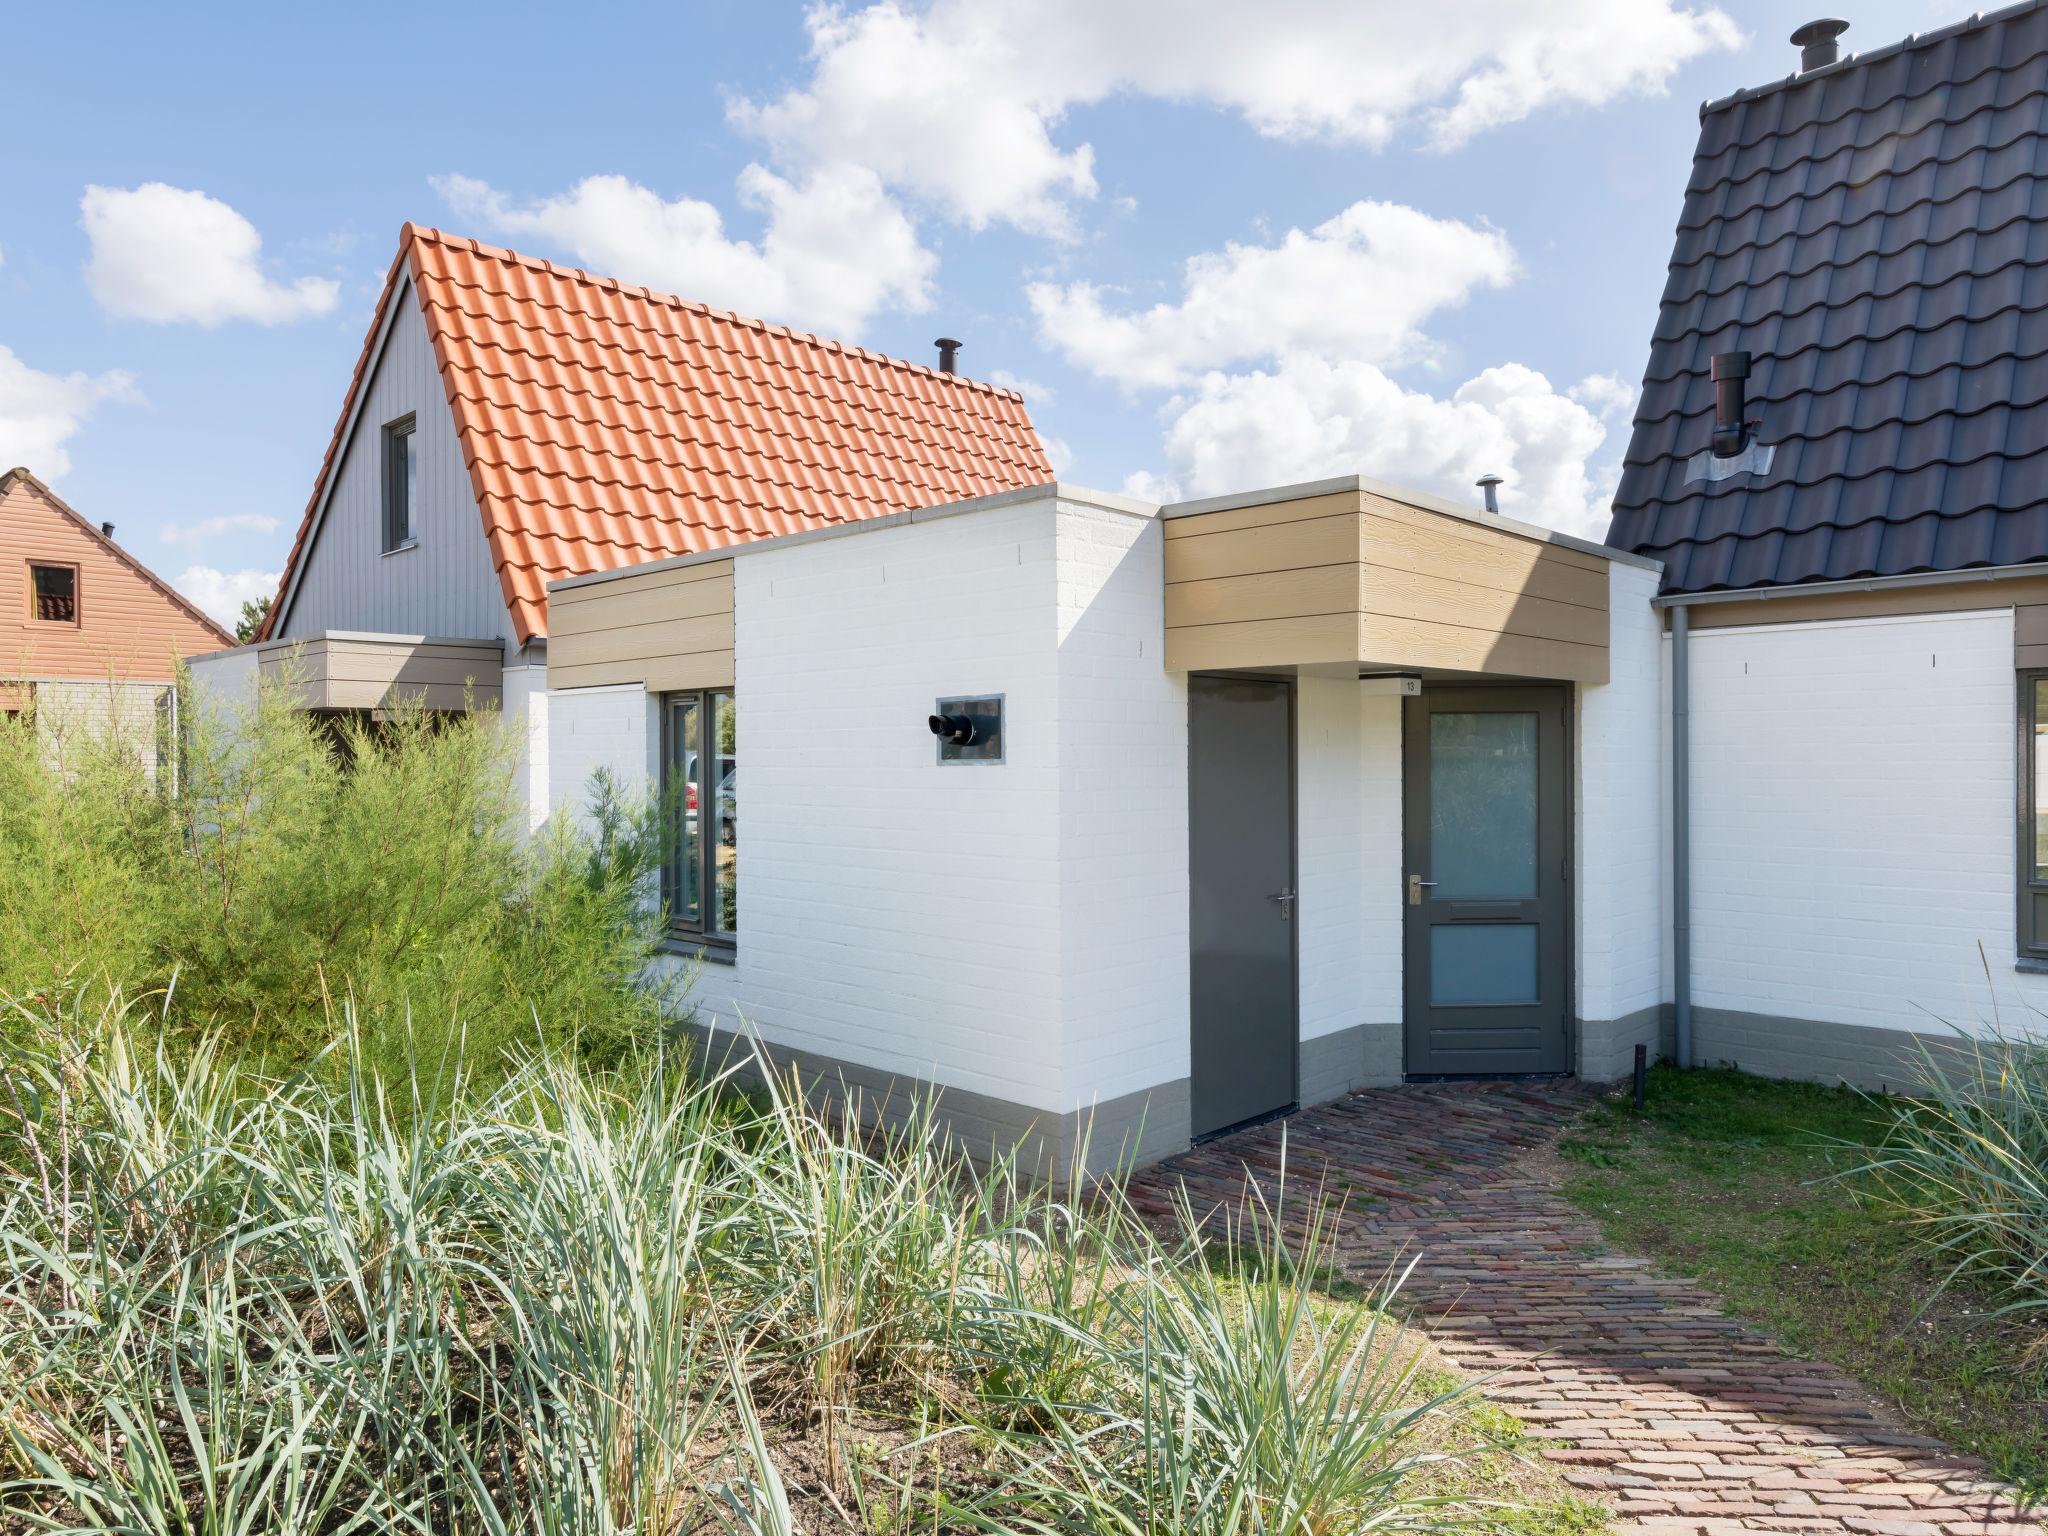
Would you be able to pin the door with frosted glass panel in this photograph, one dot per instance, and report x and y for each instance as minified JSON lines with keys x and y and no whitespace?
{"x":1488,"y":941}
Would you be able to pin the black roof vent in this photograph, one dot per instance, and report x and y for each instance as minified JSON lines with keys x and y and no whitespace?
{"x":1816,"y":43}
{"x":106,"y":530}
{"x":1731,"y":427}
{"x":949,"y":353}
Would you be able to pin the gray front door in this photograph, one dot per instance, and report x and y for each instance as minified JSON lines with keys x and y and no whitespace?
{"x":1488,"y":935}
{"x":1241,"y":899}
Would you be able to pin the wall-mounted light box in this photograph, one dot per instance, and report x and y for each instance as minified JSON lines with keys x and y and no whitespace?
{"x":970,"y":730}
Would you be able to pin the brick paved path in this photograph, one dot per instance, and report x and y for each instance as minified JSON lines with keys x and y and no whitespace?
{"x":1680,"y":1419}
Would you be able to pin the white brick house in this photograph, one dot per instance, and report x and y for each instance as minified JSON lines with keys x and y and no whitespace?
{"x":1138,"y":822}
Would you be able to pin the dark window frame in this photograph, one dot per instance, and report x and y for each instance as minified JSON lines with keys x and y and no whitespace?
{"x":2031,"y":930}
{"x":702,"y":931}
{"x":401,"y":486}
{"x":77,"y":619}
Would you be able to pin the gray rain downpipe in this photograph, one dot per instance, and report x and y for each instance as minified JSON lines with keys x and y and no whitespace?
{"x":1681,"y":834}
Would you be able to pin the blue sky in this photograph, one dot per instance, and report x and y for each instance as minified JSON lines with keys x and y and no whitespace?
{"x":1218,"y":245}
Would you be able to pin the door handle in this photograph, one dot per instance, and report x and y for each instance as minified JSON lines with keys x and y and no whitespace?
{"x":1416,"y":886}
{"x":1286,"y":900}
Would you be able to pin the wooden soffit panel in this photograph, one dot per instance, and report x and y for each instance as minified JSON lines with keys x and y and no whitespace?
{"x":664,"y":629}
{"x":1353,"y":576}
{"x":374,"y":672}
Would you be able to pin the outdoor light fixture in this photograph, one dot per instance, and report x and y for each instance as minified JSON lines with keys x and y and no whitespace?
{"x":969,"y":730}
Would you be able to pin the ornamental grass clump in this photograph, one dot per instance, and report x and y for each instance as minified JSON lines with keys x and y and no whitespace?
{"x":1964,"y":1162}
{"x":622,"y":1299}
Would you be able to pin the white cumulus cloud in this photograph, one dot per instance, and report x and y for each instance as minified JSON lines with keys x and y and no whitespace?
{"x":214,"y":527}
{"x":1310,"y":418}
{"x":835,"y":249}
{"x":169,"y":254}
{"x":960,"y":103}
{"x":1359,"y":285}
{"x":220,"y":594}
{"x":41,"y":412}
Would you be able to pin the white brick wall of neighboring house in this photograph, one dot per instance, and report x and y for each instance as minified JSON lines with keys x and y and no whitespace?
{"x":1621,"y":785}
{"x":1853,"y":786}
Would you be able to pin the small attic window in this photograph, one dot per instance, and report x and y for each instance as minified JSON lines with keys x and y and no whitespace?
{"x":53,"y":594}
{"x":401,"y":483}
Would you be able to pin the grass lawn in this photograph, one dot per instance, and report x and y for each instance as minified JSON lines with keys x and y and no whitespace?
{"x":1737,"y":1181}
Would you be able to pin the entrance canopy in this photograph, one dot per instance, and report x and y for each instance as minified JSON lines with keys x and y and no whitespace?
{"x":1353,"y":571}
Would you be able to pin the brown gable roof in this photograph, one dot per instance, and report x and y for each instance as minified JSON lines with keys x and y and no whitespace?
{"x":605,"y":424}
{"x":19,"y":477}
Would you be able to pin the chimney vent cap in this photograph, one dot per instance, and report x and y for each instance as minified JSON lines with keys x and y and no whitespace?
{"x":949,"y":353}
{"x":106,"y":530}
{"x":1816,"y":42}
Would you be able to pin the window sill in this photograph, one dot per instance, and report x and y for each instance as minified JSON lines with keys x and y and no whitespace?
{"x":689,"y":946}
{"x":399,"y":549}
{"x":2026,"y":965}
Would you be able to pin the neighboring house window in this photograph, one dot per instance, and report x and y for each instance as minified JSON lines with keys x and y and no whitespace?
{"x":401,"y":482}
{"x":700,"y":773}
{"x":2033,"y":861}
{"x":53,"y":594}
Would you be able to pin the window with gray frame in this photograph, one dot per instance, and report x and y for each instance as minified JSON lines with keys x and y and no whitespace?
{"x":401,"y":482}
{"x":2033,"y":817}
{"x":699,"y":781}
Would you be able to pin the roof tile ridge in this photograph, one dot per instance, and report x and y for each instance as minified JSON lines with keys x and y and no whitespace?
{"x":1790,"y":275}
{"x":1978,"y":21}
{"x":1716,"y":253}
{"x":1872,"y":108}
{"x":1760,"y":400}
{"x":1658,"y":334}
{"x":1816,"y":346}
{"x":1809,"y":192}
{"x":1811,"y":438}
{"x":1727,"y":488}
{"x":799,"y":384}
{"x":676,"y":301}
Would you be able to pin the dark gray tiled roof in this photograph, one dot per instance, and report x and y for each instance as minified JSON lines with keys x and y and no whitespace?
{"x":1875,"y":234}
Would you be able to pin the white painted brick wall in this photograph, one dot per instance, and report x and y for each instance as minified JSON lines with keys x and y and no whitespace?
{"x":524,"y":711}
{"x":1853,"y":792}
{"x":1123,"y":846}
{"x":1381,"y":872}
{"x":1330,"y":854}
{"x":1620,"y":808}
{"x":591,"y":728}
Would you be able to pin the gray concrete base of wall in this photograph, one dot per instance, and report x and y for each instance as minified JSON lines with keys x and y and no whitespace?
{"x":1364,"y":1056}
{"x":1607,"y":1047}
{"x":1808,"y":1050}
{"x":1125,"y":1132}
{"x":1770,"y":1045}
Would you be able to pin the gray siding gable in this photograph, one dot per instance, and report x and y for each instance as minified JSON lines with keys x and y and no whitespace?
{"x":447,"y":585}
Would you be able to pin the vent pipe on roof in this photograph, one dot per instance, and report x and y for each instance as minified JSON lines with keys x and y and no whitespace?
{"x":1731,"y":427}
{"x":1491,"y":484}
{"x":949,"y":353}
{"x":1816,"y":43}
{"x":106,"y":530}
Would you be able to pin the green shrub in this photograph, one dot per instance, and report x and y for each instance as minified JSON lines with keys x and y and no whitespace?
{"x":296,"y":862}
{"x":1965,"y":1163}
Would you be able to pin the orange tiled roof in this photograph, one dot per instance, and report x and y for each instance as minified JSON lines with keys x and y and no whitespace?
{"x":606,"y":425}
